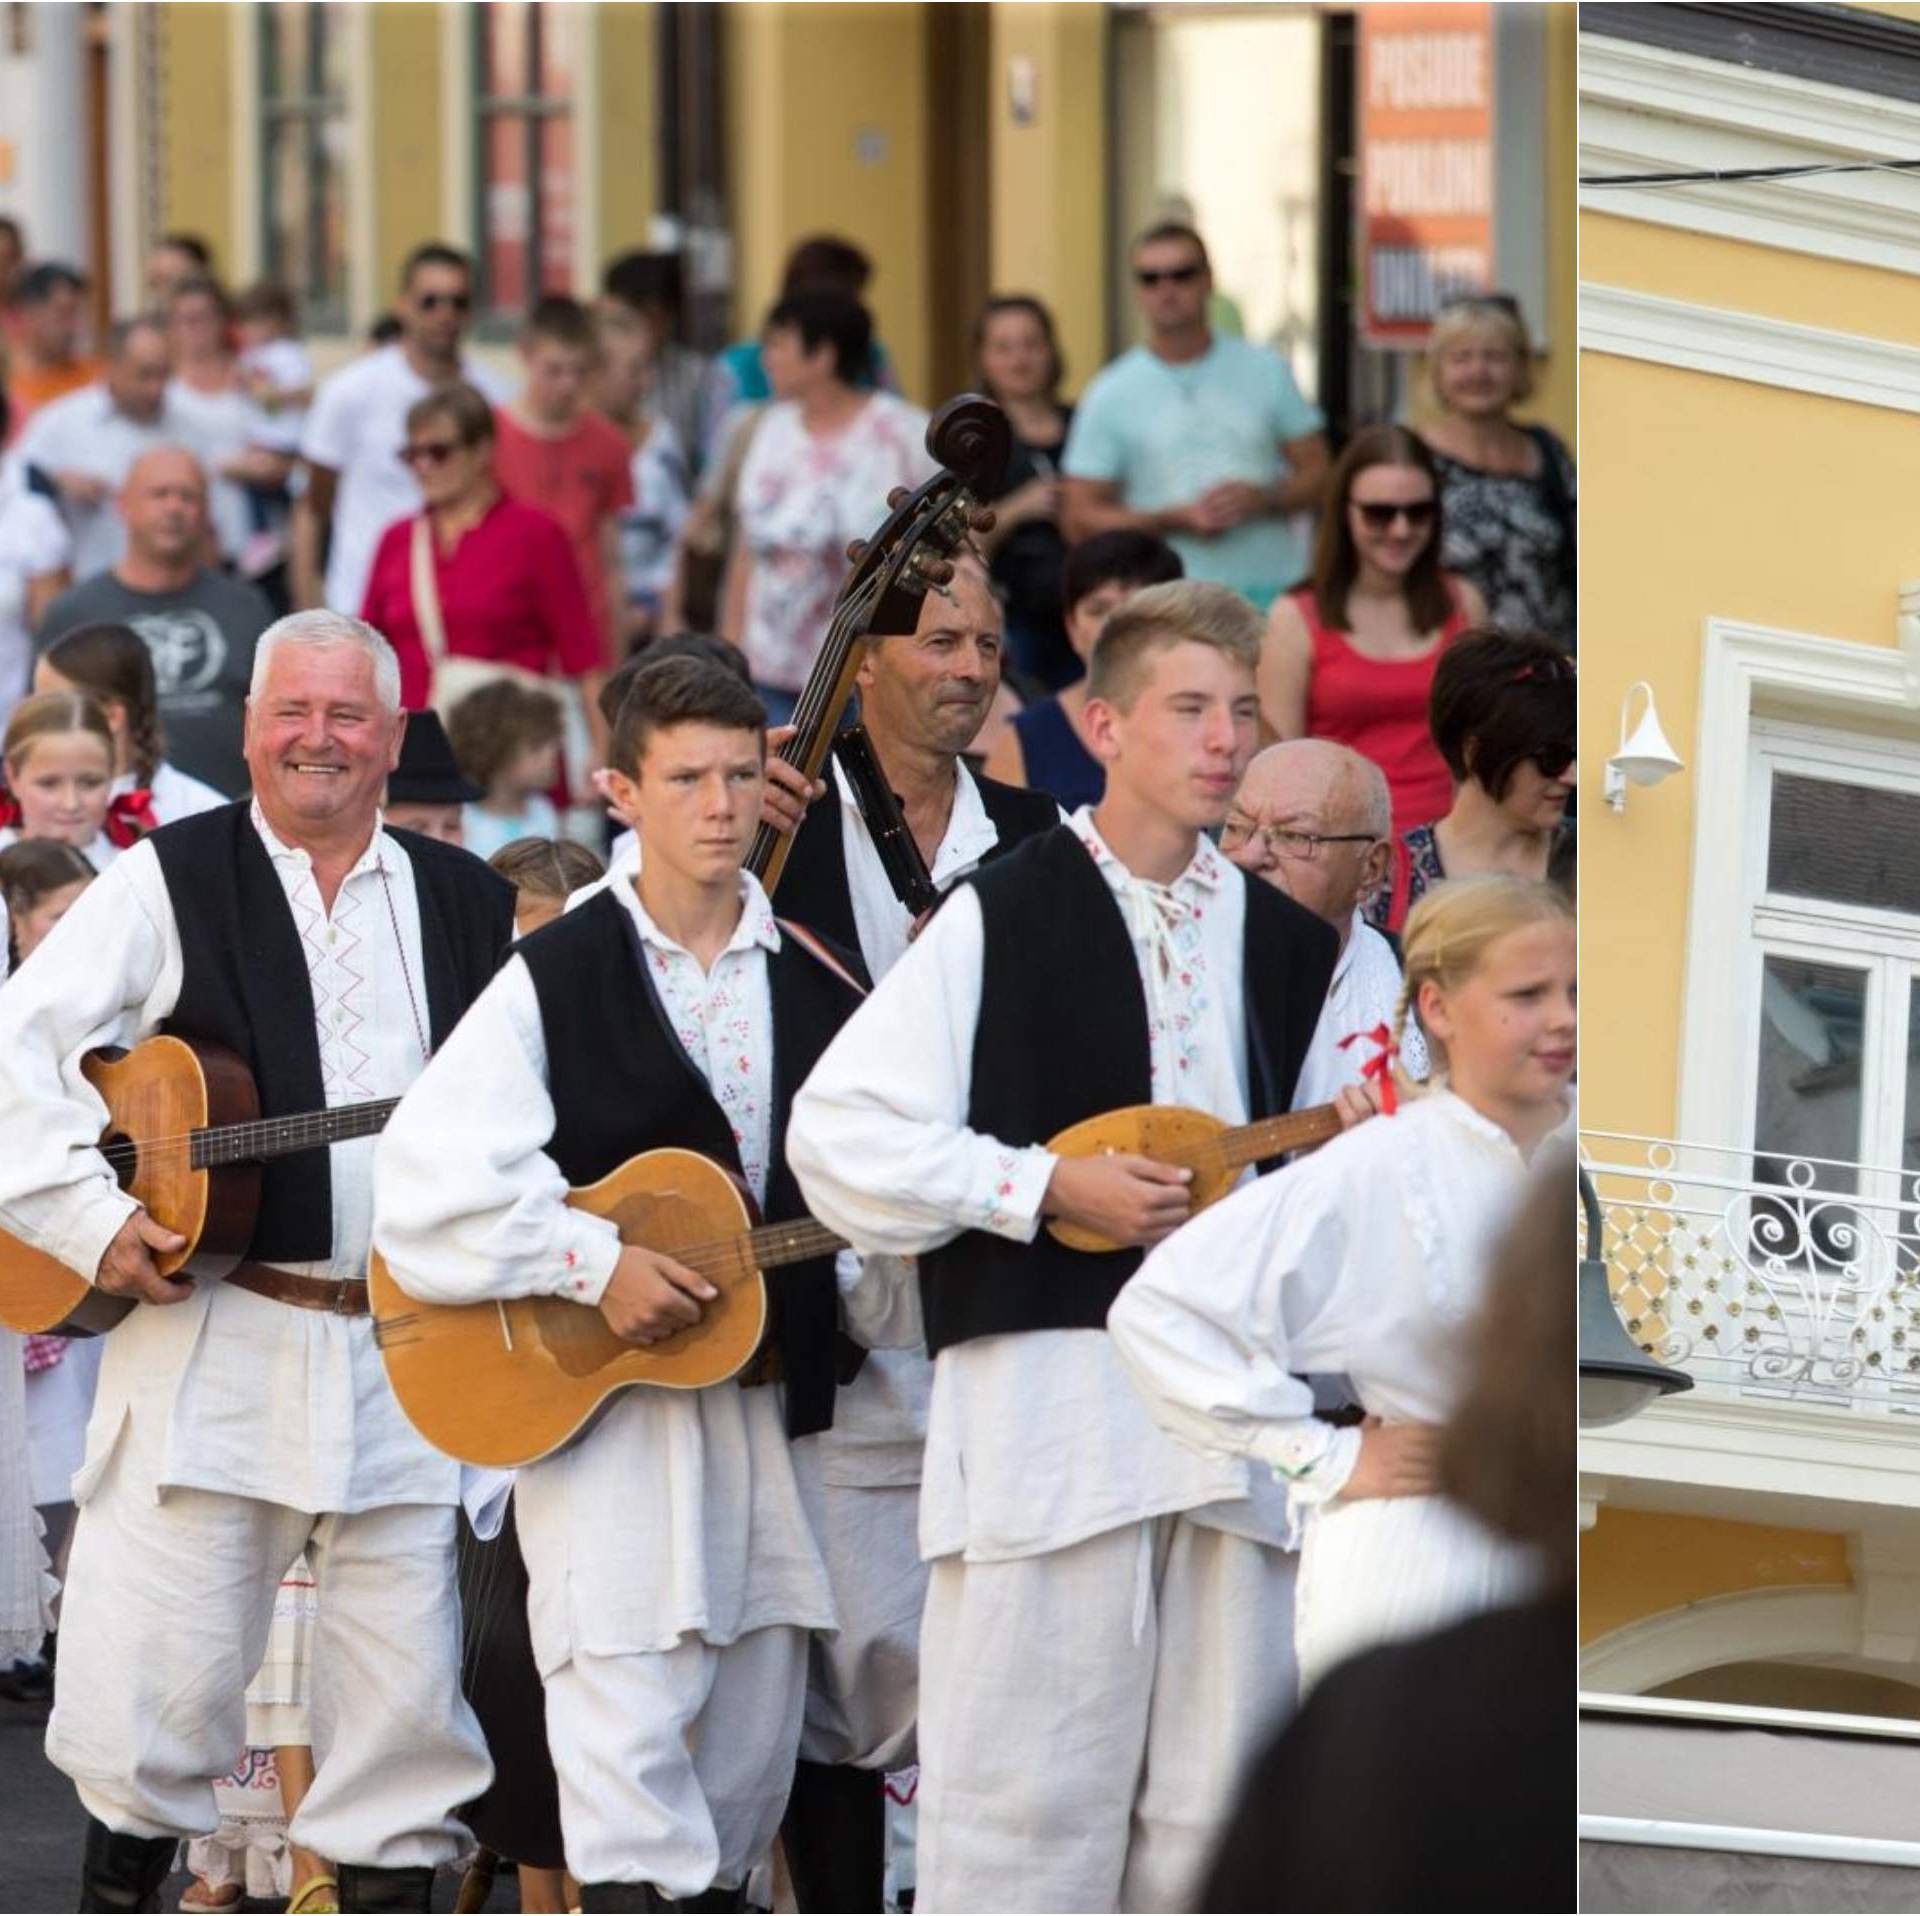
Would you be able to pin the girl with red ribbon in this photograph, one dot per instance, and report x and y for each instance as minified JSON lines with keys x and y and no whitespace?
{"x":112,"y":666}
{"x":58,"y":757}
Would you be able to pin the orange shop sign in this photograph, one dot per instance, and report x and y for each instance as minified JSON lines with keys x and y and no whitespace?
{"x":1426,"y":164}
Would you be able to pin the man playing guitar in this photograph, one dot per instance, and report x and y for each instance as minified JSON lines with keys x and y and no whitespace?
{"x":1108,"y":1614}
{"x":674,"y":1571}
{"x":242,"y":1421}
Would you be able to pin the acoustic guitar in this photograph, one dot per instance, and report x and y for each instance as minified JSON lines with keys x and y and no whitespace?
{"x":513,"y":1380}
{"x":1214,"y":1151}
{"x":185,"y":1136}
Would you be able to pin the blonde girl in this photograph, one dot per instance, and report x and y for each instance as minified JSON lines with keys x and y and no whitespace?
{"x":544,"y":873}
{"x":1371,"y":1257}
{"x":58,"y":755}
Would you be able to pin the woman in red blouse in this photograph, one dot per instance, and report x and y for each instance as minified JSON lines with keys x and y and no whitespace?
{"x":1350,"y":655}
{"x":499,"y":578}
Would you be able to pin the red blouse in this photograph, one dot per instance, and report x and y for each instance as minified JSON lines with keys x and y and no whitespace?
{"x":1379,"y":707}
{"x":509,"y":590}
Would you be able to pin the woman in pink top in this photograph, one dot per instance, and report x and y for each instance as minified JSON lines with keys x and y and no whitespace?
{"x":504,"y":575}
{"x":1350,"y":656}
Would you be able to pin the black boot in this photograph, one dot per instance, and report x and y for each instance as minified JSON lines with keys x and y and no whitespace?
{"x":124,"y":1872}
{"x":729,"y":1900}
{"x":835,"y":1832}
{"x":366,"y":1888}
{"x":624,"y":1896}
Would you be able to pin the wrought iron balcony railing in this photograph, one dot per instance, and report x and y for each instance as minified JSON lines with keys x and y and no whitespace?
{"x":1787,"y":1278}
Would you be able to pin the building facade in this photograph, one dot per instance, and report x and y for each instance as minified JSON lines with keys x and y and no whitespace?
{"x":1750,"y":927}
{"x":967,"y":148}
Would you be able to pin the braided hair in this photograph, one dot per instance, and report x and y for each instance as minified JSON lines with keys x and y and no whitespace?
{"x":111,"y":663}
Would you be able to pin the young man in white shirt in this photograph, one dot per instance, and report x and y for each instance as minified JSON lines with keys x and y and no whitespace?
{"x":674,"y":1574}
{"x":242,"y":1421}
{"x":1107,"y":1619}
{"x":357,"y":485}
{"x":1315,"y":818}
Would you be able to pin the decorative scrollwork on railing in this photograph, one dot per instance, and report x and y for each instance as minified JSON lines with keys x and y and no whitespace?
{"x":1791,"y":1276}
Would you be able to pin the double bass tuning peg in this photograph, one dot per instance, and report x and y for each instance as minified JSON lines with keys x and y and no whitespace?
{"x":981,"y":518}
{"x":897,"y":498}
{"x":856,"y":551}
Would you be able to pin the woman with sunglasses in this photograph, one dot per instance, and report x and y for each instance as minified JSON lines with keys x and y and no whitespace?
{"x":478,"y":585}
{"x":1502,"y":716}
{"x":1507,"y":490}
{"x":1350,"y":655}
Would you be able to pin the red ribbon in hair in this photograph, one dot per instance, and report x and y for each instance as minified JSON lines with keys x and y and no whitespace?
{"x":1380,"y":1066}
{"x":130,"y":817}
{"x":9,"y":809}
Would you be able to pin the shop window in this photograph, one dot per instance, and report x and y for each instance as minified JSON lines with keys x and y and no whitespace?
{"x":526,"y":68}
{"x":304,"y":158}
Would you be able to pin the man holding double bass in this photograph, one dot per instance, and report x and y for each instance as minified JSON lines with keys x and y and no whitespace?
{"x":244,"y":1420}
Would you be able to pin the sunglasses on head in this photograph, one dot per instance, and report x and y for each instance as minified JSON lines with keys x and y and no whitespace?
{"x":432,"y":302}
{"x":1179,"y":275}
{"x":429,"y":452}
{"x":1380,"y":517}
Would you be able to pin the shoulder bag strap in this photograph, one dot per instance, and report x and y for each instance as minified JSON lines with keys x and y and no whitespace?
{"x":426,"y":592}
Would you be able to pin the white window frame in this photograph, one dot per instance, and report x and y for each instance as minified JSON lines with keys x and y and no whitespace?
{"x":1752,"y":677}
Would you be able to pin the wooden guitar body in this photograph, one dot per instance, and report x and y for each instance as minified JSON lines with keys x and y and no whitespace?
{"x":511,"y":1381}
{"x":1168,"y":1133}
{"x":156,"y":1095}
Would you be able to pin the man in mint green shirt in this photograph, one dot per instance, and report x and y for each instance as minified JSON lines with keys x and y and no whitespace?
{"x":1205,"y":440}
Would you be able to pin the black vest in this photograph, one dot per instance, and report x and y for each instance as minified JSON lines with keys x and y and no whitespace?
{"x":622,"y":1083}
{"x":1062,"y":1036}
{"x":813,"y":882}
{"x":245,"y":985}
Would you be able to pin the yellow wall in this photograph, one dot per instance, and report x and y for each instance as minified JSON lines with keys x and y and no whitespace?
{"x":196,"y":133}
{"x":1704,"y":270}
{"x":404,"y":125}
{"x":827,"y":132}
{"x":624,"y":71}
{"x":1049,"y":181}
{"x":1719,"y":498}
{"x":1555,"y":393}
{"x":1641,"y":1563}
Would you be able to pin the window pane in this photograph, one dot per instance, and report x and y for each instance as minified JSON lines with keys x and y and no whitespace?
{"x":306,"y":237}
{"x":1808,"y":1104}
{"x":1852,"y":844}
{"x":556,"y":205}
{"x":503,"y":72}
{"x":507,"y":211}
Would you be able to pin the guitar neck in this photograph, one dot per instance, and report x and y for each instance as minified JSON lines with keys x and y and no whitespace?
{"x":1269,"y":1137}
{"x":772,"y":1245}
{"x":264,"y":1138}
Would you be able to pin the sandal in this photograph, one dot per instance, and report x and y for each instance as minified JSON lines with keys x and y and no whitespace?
{"x":315,"y":1895}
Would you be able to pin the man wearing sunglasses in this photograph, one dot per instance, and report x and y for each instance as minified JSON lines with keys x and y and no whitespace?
{"x":1204,"y":440}
{"x":357,"y":484}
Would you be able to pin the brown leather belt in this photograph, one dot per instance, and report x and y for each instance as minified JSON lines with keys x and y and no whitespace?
{"x":347,"y":1296}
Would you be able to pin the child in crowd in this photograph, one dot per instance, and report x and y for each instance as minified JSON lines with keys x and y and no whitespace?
{"x":553,"y":451}
{"x":543,"y":872}
{"x":274,"y":366}
{"x":39,"y":879}
{"x":112,"y":666}
{"x":507,"y":738}
{"x":58,"y":756}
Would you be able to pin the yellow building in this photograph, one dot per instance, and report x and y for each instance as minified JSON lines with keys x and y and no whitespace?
{"x":967,"y":148}
{"x":1750,"y":927}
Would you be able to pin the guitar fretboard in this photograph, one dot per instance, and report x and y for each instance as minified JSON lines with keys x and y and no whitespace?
{"x":1267,"y":1138}
{"x":774,"y":1244}
{"x":276,"y":1137}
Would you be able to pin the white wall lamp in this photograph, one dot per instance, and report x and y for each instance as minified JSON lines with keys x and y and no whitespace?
{"x":1644,"y":757}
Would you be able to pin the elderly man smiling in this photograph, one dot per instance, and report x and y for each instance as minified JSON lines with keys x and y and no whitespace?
{"x":1314,"y":820}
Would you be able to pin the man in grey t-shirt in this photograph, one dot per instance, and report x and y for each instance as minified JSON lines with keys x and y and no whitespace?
{"x":199,"y":624}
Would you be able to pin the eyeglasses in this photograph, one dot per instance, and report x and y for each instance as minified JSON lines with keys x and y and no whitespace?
{"x":1284,"y":842}
{"x":432,"y":302}
{"x":1555,"y":758}
{"x":1179,"y":275}
{"x":430,"y":452}
{"x":1380,"y":517}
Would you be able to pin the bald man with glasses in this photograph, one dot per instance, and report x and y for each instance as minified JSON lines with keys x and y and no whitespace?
{"x":1314,"y":820}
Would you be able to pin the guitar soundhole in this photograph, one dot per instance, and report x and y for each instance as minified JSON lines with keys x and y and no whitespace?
{"x":124,"y":1155}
